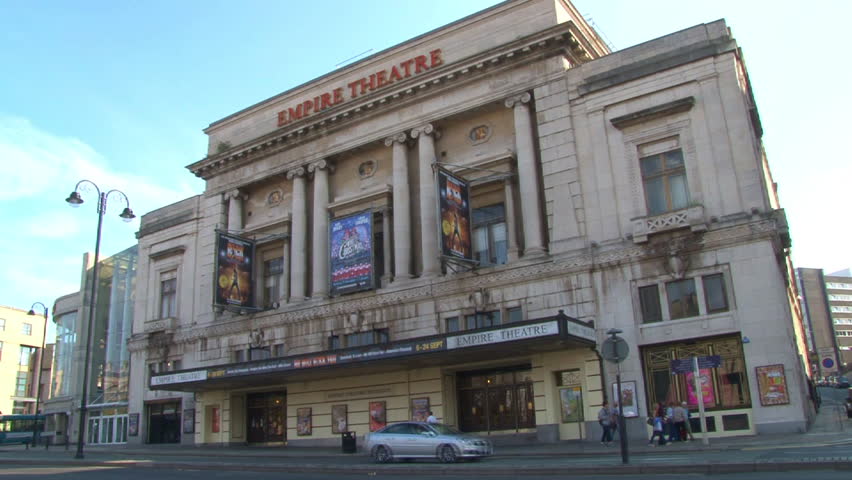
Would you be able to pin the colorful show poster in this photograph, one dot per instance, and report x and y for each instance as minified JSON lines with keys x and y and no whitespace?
{"x":772,"y":385}
{"x":378,"y":416}
{"x":419,"y":409}
{"x":304,"y":425}
{"x":351,"y":253}
{"x":453,"y":197}
{"x":705,"y":380}
{"x":571,"y":404}
{"x":234,"y":262}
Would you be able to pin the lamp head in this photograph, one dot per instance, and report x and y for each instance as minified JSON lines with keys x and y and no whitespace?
{"x":127,"y":214}
{"x":75,"y":200}
{"x":31,"y":312}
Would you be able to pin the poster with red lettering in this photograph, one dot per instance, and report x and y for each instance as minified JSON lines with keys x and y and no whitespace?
{"x":454,"y":195}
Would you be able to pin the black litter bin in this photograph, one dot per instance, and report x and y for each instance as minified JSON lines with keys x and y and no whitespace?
{"x":348,"y":442}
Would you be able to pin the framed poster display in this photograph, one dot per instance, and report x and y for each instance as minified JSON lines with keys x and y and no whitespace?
{"x":628,"y":398}
{"x":351,"y":253}
{"x":338,"y":419}
{"x":189,"y":420}
{"x":133,"y":425}
{"x":571,"y":404}
{"x":419,"y":409}
{"x":772,"y":385}
{"x":378,"y":415}
{"x":304,"y":423}
{"x":705,"y":380}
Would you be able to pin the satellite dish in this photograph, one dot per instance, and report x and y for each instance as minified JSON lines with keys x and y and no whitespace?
{"x":614,"y":349}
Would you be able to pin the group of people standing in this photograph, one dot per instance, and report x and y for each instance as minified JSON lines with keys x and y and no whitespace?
{"x":670,"y":424}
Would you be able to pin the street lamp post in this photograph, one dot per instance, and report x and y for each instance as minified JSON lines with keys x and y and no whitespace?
{"x":74,"y":199}
{"x":40,"y":357}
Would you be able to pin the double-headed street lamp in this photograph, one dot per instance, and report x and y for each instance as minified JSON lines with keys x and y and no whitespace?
{"x":127,"y":215}
{"x":40,"y":358}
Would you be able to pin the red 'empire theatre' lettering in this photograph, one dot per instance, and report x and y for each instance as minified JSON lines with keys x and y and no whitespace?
{"x":361,"y":86}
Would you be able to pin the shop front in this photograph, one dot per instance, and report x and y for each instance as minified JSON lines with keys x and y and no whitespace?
{"x":497,"y":380}
{"x":164,"y":422}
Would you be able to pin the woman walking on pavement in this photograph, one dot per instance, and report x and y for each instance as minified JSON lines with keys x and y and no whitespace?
{"x":605,"y":421}
{"x":657,"y":425}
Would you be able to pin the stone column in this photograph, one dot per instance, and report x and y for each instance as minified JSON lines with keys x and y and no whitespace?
{"x":401,"y":209}
{"x":386,"y":246}
{"x":319,"y":271}
{"x":298,"y":236}
{"x":285,"y":275}
{"x":235,"y":210}
{"x":527,"y":175}
{"x":428,"y":201}
{"x":511,"y":233}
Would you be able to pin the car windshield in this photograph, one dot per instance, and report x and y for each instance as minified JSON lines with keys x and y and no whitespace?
{"x":444,"y":429}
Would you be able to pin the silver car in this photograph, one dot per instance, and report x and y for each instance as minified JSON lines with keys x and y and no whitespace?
{"x":425,"y":440}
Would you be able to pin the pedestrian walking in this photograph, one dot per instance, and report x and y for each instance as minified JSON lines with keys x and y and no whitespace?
{"x":687,"y":423}
{"x":614,"y":420}
{"x":679,"y":423}
{"x":605,"y":421}
{"x":668,"y":419}
{"x":657,"y":422}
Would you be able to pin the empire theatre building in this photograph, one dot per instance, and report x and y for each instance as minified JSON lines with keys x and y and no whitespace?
{"x":453,"y":224}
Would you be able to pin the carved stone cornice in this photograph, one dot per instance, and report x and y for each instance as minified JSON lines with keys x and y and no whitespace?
{"x":546,"y":43}
{"x":519,"y":99}
{"x":398,"y":138}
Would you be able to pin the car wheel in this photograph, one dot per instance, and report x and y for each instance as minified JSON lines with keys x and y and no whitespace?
{"x":447,"y":454}
{"x":382,"y":454}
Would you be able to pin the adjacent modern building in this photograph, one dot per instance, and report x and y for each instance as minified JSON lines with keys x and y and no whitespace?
{"x":21,"y":341}
{"x":827,"y":303}
{"x":453,"y":225}
{"x":106,"y":417}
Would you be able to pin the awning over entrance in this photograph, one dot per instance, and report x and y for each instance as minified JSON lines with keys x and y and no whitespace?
{"x":510,"y":340}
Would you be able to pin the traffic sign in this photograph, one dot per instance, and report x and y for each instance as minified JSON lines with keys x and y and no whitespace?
{"x":684,"y":365}
{"x":615,"y":349}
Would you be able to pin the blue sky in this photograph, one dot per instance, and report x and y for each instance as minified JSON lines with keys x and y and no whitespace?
{"x":118,"y":93}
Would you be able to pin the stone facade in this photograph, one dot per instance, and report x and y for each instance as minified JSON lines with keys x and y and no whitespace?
{"x":555,"y":137}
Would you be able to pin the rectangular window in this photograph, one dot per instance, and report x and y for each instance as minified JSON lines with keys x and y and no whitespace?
{"x":514,"y":314}
{"x":489,"y":235}
{"x":273,"y":274}
{"x":649,"y":300}
{"x":359,"y":339}
{"x":2,"y":324}
{"x":1,"y":350}
{"x":239,"y":356}
{"x":27,"y":329}
{"x":21,"y":384}
{"x":279,"y":350}
{"x":482,"y":320}
{"x":683,"y":301}
{"x":452,"y":324}
{"x":334,"y":342}
{"x":27,"y":356}
{"x":664,"y":179}
{"x":168,"y":298}
{"x":714,"y":293}
{"x":259,"y":353}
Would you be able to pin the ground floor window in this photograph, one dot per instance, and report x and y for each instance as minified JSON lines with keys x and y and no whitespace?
{"x":499,"y":399}
{"x":267,"y":417}
{"x":107,"y":426}
{"x":164,"y":422}
{"x":724,"y":387}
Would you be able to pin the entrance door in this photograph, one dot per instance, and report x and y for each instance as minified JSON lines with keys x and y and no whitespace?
{"x":266,"y":417}
{"x":164,"y":423}
{"x":495,"y":400}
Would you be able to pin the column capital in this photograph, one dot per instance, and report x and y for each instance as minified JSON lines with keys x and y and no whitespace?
{"x":236,"y":194}
{"x":321,"y":165}
{"x":427,"y":129}
{"x":296,"y":172}
{"x":518,"y":99}
{"x":398,"y":138}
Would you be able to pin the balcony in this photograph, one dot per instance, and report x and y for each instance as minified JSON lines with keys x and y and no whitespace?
{"x":690,"y":217}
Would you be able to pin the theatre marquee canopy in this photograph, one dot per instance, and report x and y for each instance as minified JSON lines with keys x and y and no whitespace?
{"x":558,"y":332}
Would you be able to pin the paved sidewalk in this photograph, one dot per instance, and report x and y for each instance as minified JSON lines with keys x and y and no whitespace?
{"x":827,"y":445}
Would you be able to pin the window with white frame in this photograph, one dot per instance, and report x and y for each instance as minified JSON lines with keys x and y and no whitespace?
{"x":2,"y":324}
{"x":663,"y":176}
{"x":842,"y":321}
{"x":27,"y":329}
{"x":840,"y":298}
{"x":273,"y":275}
{"x":841,"y":308}
{"x":489,"y":235}
{"x":844,"y":333}
{"x":683,"y":298}
{"x":839,"y":286}
{"x":168,"y":296}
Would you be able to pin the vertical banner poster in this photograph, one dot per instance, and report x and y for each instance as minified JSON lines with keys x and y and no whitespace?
{"x":133,"y":425}
{"x":419,"y":409}
{"x":304,"y":424}
{"x":454,"y":202}
{"x":189,"y":420}
{"x":338,"y":419}
{"x":705,"y":381}
{"x":772,"y":384}
{"x":378,"y":415}
{"x":352,"y":253}
{"x":234,"y":263}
